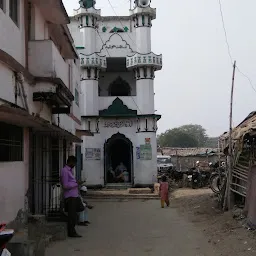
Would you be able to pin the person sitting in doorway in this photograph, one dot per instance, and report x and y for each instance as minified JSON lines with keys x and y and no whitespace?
{"x":111,"y":175}
{"x":83,"y":216}
{"x":121,"y":173}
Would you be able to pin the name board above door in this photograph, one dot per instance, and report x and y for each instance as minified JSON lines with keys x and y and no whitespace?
{"x":116,"y":46}
{"x":118,"y":123}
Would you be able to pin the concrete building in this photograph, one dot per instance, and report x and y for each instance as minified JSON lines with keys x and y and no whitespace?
{"x":117,"y":84}
{"x":39,"y":105}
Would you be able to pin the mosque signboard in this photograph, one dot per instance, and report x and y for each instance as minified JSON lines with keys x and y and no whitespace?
{"x":118,"y":123}
{"x":145,"y":152}
{"x":92,"y":153}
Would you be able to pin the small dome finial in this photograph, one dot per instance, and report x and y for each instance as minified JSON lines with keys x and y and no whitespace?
{"x":87,"y":3}
{"x":142,"y":3}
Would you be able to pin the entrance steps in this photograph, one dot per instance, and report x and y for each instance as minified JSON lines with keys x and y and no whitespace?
{"x":123,"y":193}
{"x":117,"y":186}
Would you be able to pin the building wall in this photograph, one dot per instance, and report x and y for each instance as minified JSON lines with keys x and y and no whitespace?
{"x":145,"y":171}
{"x":129,"y":36}
{"x":12,"y":40}
{"x":44,"y":60}
{"x":114,"y":45}
{"x":111,"y":22}
{"x":14,"y":184}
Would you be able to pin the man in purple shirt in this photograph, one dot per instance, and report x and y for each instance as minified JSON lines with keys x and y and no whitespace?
{"x":70,"y":193}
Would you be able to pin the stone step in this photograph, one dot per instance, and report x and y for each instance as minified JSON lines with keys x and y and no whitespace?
{"x":20,"y":245}
{"x":123,"y":198}
{"x":131,"y":193}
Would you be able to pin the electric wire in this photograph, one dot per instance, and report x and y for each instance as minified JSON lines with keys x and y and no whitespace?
{"x":228,"y":47}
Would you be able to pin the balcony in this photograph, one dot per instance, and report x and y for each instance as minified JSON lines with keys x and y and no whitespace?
{"x":51,"y":74}
{"x":46,"y":61}
{"x":144,"y":60}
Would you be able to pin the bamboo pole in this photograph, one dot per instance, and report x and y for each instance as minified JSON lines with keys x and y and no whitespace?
{"x":231,"y":159}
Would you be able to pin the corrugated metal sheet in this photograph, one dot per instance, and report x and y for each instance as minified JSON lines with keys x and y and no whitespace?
{"x":189,"y":151}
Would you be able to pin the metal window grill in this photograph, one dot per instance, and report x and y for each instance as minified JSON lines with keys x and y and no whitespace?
{"x":11,"y":143}
{"x":48,"y":155}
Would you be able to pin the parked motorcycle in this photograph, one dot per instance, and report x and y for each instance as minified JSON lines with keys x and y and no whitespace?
{"x":198,"y":178}
{"x":217,"y":179}
{"x":5,"y":236}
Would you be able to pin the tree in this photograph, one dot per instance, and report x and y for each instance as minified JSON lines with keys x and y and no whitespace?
{"x":184,"y":136}
{"x":197,"y":131}
{"x":212,"y":142}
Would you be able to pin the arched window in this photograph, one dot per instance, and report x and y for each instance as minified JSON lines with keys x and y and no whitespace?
{"x":119,"y":88}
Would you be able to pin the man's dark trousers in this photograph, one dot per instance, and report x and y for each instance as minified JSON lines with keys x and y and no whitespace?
{"x":71,"y":205}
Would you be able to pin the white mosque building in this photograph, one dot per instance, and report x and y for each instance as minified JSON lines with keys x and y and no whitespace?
{"x":117,"y":89}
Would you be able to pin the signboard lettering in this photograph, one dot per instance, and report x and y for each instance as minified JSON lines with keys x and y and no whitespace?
{"x":116,"y":46}
{"x":146,"y":152}
{"x":118,"y":123}
{"x":92,"y":153}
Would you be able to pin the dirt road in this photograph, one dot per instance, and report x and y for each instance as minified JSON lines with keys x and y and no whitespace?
{"x":190,"y":227}
{"x":227,"y":235}
{"x":135,"y":228}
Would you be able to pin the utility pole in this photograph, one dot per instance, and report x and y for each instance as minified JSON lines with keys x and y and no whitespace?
{"x":231,"y":157}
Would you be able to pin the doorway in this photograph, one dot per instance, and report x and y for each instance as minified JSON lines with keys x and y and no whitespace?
{"x":118,"y":149}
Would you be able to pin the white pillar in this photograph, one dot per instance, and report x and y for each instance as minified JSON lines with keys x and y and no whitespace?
{"x":89,"y":68}
{"x":143,"y":33}
{"x":90,"y":92}
{"x":145,"y":90}
{"x":145,"y":72}
{"x":145,"y":96}
{"x":89,"y":40}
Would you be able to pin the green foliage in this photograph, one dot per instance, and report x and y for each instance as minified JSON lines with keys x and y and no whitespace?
{"x":184,"y":136}
{"x":212,"y":142}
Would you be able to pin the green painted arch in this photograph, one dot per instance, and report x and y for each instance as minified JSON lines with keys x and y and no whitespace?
{"x":118,"y":108}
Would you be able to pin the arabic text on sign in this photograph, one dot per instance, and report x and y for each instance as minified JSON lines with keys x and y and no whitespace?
{"x":118,"y":124}
{"x":116,"y":46}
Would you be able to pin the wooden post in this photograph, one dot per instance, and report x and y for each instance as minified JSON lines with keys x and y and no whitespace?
{"x":231,"y":157}
{"x":219,"y":150}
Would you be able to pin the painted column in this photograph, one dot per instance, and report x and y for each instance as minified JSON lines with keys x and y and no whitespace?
{"x":90,"y":61}
{"x":143,"y":23}
{"x":145,"y":90}
{"x":144,"y":61}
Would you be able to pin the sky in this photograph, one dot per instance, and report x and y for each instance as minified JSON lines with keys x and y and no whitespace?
{"x":195,"y":83}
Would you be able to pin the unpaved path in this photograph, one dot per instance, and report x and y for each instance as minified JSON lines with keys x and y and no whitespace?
{"x":192,"y":226}
{"x":136,"y":228}
{"x":228,"y":236}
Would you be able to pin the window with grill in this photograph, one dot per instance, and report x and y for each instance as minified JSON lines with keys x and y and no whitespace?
{"x":11,"y":143}
{"x":14,"y":11}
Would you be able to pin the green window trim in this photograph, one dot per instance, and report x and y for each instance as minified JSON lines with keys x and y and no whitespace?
{"x":76,"y":97}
